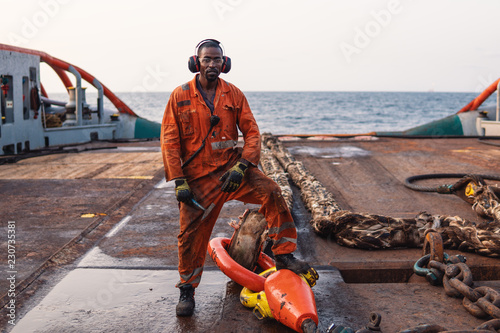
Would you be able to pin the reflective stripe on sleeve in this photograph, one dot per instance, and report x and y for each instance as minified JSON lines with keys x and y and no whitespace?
{"x":284,"y":226}
{"x":284,"y":240}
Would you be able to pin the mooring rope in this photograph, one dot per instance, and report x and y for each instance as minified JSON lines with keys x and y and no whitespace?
{"x":273,"y":170}
{"x":369,"y":231}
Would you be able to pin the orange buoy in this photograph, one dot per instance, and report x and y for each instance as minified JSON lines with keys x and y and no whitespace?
{"x":239,"y":274}
{"x":291,"y":299}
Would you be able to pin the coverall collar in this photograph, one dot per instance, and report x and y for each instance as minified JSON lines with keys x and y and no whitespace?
{"x":221,"y":86}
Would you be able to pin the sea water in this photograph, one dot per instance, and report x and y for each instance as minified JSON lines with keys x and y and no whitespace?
{"x":323,"y":112}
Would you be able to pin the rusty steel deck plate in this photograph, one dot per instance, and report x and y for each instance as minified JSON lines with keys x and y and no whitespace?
{"x":129,"y":255}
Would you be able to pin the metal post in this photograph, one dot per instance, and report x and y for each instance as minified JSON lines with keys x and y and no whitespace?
{"x":498,"y":101}
{"x":78,"y":90}
{"x":100,"y":100}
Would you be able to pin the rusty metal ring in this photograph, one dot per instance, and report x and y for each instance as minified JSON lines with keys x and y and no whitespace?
{"x":433,"y":245}
{"x":491,"y":325}
{"x":460,"y":271}
{"x":449,"y":290}
{"x":490,"y":302}
{"x":473,"y":308}
{"x":438,"y":265}
{"x":486,"y":305}
{"x":464,"y":290}
{"x":428,"y":328}
{"x":375,"y":319}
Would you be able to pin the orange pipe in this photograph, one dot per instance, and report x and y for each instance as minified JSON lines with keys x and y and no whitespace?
{"x":290,"y":299}
{"x":233,"y":270}
{"x":326,"y":135}
{"x":57,"y":63}
{"x":42,"y":89}
{"x":476,"y":102}
{"x":63,"y":76}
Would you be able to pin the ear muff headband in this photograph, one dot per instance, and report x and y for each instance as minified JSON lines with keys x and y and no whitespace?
{"x":194,"y":63}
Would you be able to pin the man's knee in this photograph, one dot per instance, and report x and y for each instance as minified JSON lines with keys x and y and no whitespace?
{"x":279,"y":201}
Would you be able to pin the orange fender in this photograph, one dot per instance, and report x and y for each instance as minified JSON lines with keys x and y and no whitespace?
{"x":265,"y":262}
{"x":233,"y":270}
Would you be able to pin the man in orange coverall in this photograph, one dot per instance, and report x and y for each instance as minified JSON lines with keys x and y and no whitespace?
{"x":198,"y":141}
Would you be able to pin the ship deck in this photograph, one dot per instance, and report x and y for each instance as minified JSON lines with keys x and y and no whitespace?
{"x":96,"y":239}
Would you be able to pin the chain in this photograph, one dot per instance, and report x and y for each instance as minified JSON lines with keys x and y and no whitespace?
{"x":375,"y":319}
{"x":487,"y":327}
{"x":328,"y":219}
{"x":456,"y":277}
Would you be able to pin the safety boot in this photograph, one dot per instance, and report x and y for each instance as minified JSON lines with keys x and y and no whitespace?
{"x":288,"y":261}
{"x":185,"y":307}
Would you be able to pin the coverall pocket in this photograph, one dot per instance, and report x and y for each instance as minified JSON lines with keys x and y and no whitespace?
{"x":187,"y":122}
{"x":230,"y":116}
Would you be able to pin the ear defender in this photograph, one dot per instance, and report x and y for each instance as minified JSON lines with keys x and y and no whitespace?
{"x":194,"y":62}
{"x":226,"y":64}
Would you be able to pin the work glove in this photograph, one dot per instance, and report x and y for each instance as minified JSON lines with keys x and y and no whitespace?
{"x":183,"y":192}
{"x":233,"y":177}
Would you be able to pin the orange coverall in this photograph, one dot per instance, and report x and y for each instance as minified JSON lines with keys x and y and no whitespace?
{"x":186,"y":122}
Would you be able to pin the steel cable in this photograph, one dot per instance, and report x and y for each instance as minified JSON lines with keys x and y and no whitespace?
{"x":409,"y":181}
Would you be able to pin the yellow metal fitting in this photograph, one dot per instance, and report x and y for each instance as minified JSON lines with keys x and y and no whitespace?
{"x":258,"y":301}
{"x":262,"y":309}
{"x":470,"y":189}
{"x":310,"y":277}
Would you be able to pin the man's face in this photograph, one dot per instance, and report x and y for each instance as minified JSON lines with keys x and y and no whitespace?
{"x":210,"y":63}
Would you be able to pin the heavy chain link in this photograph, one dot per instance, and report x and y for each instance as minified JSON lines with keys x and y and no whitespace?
{"x":487,"y":327}
{"x":456,"y":277}
{"x":329,"y":219}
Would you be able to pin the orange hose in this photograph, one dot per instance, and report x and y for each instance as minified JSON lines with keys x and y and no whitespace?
{"x":42,"y":89}
{"x":476,"y":102}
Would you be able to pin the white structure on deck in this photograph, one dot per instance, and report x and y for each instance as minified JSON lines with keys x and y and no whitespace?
{"x":487,"y":127}
{"x":24,"y":114}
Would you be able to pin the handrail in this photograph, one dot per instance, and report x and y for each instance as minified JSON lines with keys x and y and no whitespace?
{"x":58,"y":63}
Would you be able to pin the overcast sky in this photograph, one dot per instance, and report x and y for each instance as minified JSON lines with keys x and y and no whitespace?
{"x":282,"y":45}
